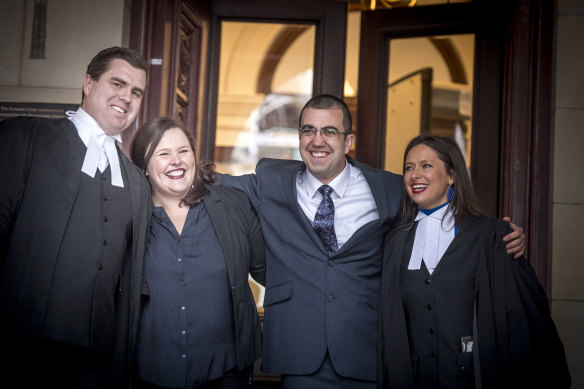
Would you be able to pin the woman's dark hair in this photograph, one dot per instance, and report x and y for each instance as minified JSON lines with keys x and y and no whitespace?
{"x":147,"y":139}
{"x":465,"y":202}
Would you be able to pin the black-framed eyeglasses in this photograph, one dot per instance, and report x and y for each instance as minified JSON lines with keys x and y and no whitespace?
{"x":328,"y":132}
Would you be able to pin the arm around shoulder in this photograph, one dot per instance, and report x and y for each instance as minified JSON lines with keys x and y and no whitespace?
{"x":244,"y":215}
{"x":246,"y":183}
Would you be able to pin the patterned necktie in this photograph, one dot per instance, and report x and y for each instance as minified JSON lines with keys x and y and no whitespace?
{"x":324,"y":220}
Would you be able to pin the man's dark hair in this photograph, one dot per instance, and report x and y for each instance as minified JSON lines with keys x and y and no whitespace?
{"x":329,"y":102}
{"x":102,"y":61}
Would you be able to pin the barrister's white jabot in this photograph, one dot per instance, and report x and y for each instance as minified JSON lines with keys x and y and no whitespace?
{"x":101,"y":147}
{"x":434,"y":234}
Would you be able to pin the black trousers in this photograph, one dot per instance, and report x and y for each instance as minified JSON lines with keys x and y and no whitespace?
{"x":325,"y":378}
{"x":232,"y":379}
{"x":57,"y":365}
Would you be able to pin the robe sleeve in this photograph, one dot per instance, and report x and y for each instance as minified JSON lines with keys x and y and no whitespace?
{"x":394,"y":362}
{"x":529,"y":350}
{"x":15,"y":149}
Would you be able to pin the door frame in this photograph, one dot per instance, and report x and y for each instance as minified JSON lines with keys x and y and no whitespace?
{"x":511,"y":134}
{"x":377,"y":29}
{"x":330,"y":19}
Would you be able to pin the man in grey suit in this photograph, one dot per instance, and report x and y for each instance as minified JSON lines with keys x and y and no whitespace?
{"x":323,"y":260}
{"x":74,"y":217}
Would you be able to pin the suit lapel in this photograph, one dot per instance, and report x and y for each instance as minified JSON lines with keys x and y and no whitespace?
{"x":139,"y":198}
{"x":136,"y":194}
{"x":141,"y":213}
{"x":219,"y":219}
{"x":375,"y":182}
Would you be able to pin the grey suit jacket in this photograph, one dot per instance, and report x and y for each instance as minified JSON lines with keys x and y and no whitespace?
{"x":314,"y":302}
{"x":39,"y":177}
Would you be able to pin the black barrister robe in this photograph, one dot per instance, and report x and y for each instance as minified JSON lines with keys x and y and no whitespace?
{"x":517,"y":340}
{"x":39,"y":178}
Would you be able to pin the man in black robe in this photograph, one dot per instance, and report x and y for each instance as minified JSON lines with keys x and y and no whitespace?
{"x":74,"y":213}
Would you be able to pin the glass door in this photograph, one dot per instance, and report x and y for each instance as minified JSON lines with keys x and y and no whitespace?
{"x":265,"y":77}
{"x":429,"y":90}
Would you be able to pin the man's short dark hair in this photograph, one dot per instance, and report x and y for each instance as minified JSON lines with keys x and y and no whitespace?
{"x":102,"y":61}
{"x":325,"y":101}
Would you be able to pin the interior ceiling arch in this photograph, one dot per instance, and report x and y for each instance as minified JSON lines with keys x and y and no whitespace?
{"x":281,"y":42}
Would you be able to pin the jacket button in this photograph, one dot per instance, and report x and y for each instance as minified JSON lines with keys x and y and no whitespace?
{"x":330,"y":298}
{"x":331,"y":263}
{"x":428,"y":281}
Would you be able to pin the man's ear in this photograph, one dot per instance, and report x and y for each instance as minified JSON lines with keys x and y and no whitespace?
{"x":349,"y":142}
{"x":87,"y":83}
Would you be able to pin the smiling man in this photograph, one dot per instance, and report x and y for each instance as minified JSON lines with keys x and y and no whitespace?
{"x":74,"y":213}
{"x":323,"y":260}
{"x":323,"y":221}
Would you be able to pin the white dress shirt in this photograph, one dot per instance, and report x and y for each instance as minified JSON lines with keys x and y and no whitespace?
{"x":352,"y":197}
{"x":101,"y":147}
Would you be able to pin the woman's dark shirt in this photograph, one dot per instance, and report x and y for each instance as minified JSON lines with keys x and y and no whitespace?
{"x":187,"y":331}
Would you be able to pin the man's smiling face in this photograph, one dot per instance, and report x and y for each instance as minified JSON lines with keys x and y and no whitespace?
{"x":114,"y":100}
{"x":324,"y":156}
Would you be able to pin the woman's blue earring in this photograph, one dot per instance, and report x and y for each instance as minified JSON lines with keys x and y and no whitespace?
{"x":450,"y":193}
{"x":411,"y":200}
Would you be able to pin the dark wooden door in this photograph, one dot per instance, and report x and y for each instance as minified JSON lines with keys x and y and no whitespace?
{"x":510,"y":162}
{"x":171,"y":34}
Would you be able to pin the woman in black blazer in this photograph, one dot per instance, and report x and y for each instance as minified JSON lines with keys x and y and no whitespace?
{"x":457,"y":311}
{"x":199,"y":325}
